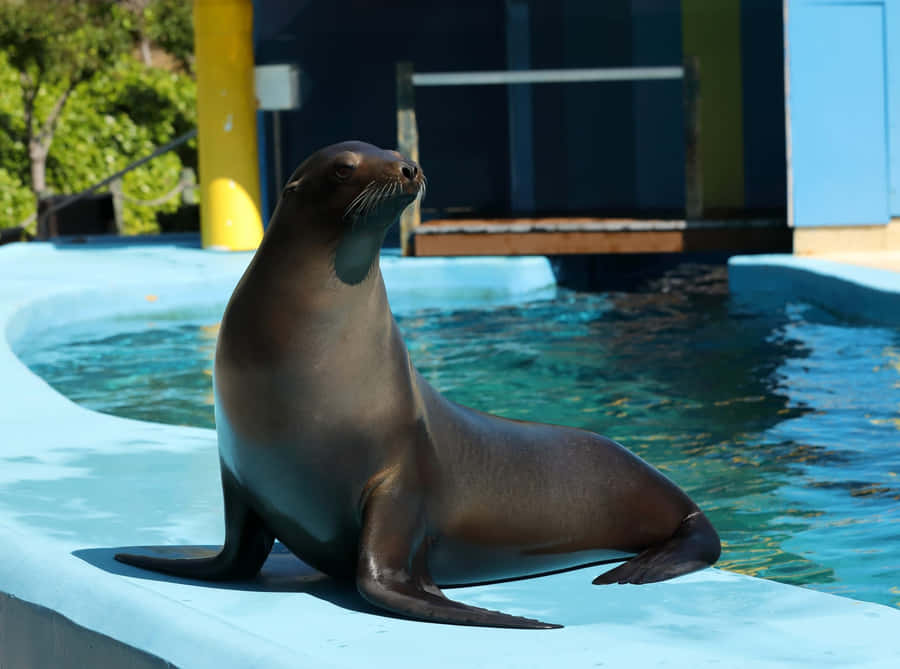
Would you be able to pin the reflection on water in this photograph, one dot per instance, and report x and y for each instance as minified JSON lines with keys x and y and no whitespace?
{"x":783,"y":425}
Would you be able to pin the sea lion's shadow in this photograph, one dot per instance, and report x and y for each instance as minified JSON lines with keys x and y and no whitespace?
{"x":282,"y":572}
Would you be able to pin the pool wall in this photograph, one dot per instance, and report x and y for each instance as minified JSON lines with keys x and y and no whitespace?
{"x":863,"y":293}
{"x":75,"y":485}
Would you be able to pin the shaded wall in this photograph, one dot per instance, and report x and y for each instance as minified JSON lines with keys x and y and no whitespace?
{"x":589,"y":148}
{"x":347,"y":52}
{"x":762,"y":68}
{"x":608,"y":147}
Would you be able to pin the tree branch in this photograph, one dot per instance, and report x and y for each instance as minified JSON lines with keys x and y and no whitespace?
{"x":28,"y":94}
{"x":26,"y":79}
{"x":49,"y":127}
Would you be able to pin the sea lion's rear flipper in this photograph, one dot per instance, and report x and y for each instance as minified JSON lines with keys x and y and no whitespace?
{"x":392,"y":572}
{"x":247,"y":544}
{"x":694,"y":546}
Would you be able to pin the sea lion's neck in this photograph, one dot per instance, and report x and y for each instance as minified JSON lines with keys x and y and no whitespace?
{"x":357,"y":252}
{"x":348,"y":252}
{"x":312,"y":274}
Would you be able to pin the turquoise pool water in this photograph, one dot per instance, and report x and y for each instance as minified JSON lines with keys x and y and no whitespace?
{"x":783,"y":424}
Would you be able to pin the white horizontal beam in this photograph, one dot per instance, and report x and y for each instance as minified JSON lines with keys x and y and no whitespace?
{"x":493,"y":77}
{"x":590,"y":225}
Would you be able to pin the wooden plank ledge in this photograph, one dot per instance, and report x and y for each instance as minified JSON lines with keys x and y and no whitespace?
{"x":562,"y":236}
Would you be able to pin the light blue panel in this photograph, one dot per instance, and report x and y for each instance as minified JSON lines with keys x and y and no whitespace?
{"x":838,"y":106}
{"x":893,"y":71}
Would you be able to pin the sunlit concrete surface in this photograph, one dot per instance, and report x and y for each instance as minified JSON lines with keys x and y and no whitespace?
{"x":76,"y":485}
{"x":889,"y":260}
{"x":859,"y":286}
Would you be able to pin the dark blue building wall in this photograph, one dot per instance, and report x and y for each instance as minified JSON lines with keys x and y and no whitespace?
{"x":658,"y":108}
{"x":621,"y":143}
{"x":762,"y":64}
{"x":597,"y":148}
{"x":584,"y":133}
{"x":347,"y":52}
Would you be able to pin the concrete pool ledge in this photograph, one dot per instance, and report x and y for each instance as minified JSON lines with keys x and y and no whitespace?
{"x":75,"y":485}
{"x":845,"y":284}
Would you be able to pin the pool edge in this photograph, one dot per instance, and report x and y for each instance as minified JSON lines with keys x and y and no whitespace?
{"x":862,"y":293}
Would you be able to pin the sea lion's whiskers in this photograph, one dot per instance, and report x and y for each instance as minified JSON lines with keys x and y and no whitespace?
{"x":382,"y":195}
{"x":355,"y":203}
{"x":374,"y":194}
{"x":368,"y":201}
{"x":378,"y":196}
{"x":361,"y":195}
{"x":363,"y":208}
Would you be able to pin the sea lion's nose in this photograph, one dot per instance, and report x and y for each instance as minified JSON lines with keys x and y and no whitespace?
{"x":409,"y":170}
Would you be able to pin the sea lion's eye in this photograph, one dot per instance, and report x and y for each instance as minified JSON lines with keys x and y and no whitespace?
{"x":344,"y":170}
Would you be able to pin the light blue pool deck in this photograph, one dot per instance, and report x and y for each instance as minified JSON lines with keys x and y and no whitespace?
{"x":75,"y":485}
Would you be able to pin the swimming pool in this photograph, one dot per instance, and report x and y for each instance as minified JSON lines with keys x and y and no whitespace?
{"x":782,"y":423}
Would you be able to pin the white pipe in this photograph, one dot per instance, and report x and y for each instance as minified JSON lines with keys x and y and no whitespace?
{"x":545,"y":76}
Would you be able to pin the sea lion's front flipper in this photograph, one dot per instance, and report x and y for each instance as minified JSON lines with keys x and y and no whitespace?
{"x":392,"y":572}
{"x":694,"y":546}
{"x":247,"y":544}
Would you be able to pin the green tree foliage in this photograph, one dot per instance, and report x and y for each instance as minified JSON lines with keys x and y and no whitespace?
{"x":120,"y":113}
{"x":119,"y":117}
{"x":168,"y":25}
{"x":54,"y":46}
{"x":164,"y":23}
{"x":16,"y":200}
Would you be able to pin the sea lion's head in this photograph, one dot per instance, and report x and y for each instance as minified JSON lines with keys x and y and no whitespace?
{"x":352,"y":193}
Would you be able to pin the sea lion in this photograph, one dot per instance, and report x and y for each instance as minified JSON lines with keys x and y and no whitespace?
{"x":331,"y":441}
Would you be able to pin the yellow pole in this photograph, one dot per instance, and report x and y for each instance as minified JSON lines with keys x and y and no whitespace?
{"x":226,"y":123}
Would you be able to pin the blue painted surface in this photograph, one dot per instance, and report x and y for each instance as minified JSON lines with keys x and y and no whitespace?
{"x":75,"y":485}
{"x":858,"y":292}
{"x":892,"y":15}
{"x":838,"y":112}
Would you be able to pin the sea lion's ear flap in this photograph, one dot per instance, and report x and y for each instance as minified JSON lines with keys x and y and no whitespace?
{"x":292,"y":186}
